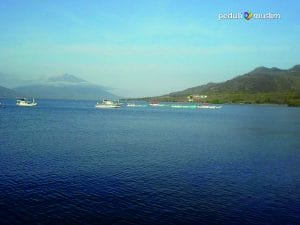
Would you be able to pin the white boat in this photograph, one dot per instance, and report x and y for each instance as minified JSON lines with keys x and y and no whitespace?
{"x":209,"y":107}
{"x":25,"y":102}
{"x":131,"y":105}
{"x":134,"y":105}
{"x":107,"y":104}
{"x":184,"y":106}
{"x":156,"y":104}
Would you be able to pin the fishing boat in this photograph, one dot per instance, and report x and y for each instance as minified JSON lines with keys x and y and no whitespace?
{"x":131,"y":105}
{"x":134,"y":105}
{"x":155,"y":103}
{"x":107,"y":104}
{"x":184,"y":106}
{"x":209,"y":107}
{"x":26,"y":103}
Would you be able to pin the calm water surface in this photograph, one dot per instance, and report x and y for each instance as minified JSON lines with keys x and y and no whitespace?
{"x":65,"y":162}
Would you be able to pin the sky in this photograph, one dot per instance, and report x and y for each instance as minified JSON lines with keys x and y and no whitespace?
{"x":145,"y":48}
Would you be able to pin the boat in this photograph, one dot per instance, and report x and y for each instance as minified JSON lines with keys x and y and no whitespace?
{"x":131,"y":105}
{"x":134,"y":105}
{"x":184,"y":106}
{"x":209,"y":107}
{"x":25,"y":102}
{"x":107,"y":104}
{"x":155,"y":103}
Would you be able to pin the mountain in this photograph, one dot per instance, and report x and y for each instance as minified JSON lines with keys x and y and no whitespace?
{"x":66,"y":86}
{"x":7,"y":93}
{"x":68,"y":78}
{"x":261,"y":85}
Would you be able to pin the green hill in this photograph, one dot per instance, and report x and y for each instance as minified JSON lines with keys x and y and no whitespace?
{"x":262,"y":85}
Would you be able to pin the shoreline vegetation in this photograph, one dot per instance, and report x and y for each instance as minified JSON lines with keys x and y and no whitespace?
{"x":291,"y":99}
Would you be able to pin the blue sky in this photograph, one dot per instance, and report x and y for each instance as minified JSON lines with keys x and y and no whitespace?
{"x":142,"y":48}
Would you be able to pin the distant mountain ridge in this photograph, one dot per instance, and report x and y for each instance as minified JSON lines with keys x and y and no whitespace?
{"x":259,"y":80}
{"x":66,"y":86}
{"x":261,"y":85}
{"x":68,"y":78}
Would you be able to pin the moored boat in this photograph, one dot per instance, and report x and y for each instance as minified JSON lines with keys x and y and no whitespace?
{"x":25,"y":102}
{"x":155,"y":104}
{"x":107,"y":104}
{"x":134,"y":105}
{"x":184,"y":106}
{"x":131,"y":105}
{"x":209,"y":107}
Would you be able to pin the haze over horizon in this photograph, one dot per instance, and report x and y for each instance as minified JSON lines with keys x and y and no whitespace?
{"x":145,"y":48}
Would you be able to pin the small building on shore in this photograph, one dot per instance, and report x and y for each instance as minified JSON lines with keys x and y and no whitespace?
{"x":197,"y":98}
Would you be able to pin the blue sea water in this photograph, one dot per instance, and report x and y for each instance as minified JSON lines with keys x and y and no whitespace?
{"x":66,"y":162}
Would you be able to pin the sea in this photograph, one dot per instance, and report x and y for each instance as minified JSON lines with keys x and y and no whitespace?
{"x":67,"y":162}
